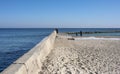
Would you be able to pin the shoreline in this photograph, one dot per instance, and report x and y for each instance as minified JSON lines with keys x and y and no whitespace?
{"x":96,"y":38}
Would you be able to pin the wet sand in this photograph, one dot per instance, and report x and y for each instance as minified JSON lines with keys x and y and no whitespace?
{"x":83,"y":57}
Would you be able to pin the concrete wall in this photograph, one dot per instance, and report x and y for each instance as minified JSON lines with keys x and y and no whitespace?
{"x":31,"y":62}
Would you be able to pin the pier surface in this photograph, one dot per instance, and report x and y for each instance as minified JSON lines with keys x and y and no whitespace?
{"x":84,"y":56}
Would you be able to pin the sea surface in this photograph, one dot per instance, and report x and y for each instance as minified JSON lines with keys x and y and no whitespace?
{"x":14,"y":42}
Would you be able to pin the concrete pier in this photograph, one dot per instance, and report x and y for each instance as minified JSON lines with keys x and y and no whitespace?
{"x":31,"y":62}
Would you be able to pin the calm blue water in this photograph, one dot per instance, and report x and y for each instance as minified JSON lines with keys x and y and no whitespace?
{"x":15,"y":42}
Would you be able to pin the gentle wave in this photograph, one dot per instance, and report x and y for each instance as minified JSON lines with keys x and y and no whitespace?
{"x":95,"y":38}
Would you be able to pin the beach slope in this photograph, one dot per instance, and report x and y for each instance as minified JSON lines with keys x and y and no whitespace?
{"x":83,"y":56}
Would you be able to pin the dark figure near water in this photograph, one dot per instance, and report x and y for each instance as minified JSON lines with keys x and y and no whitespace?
{"x":80,"y":33}
{"x":76,"y":34}
{"x":56,"y":30}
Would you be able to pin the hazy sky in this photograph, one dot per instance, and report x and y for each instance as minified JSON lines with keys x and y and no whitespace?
{"x":59,"y":13}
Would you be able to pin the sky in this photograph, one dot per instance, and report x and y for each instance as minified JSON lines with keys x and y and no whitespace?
{"x":59,"y":13}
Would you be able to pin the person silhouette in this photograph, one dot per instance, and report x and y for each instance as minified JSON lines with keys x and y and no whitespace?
{"x":80,"y":33}
{"x":56,"y":30}
{"x":76,"y":34}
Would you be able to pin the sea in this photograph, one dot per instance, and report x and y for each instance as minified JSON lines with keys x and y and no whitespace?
{"x":14,"y":42}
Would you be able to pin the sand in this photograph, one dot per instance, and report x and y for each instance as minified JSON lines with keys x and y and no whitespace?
{"x":83,"y":56}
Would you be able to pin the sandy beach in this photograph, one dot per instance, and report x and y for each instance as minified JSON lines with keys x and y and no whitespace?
{"x":83,"y":56}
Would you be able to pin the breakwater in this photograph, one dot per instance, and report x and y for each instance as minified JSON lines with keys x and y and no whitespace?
{"x":113,"y":31}
{"x":30,"y":63}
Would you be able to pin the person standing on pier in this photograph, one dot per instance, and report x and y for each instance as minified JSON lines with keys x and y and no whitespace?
{"x":56,"y":30}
